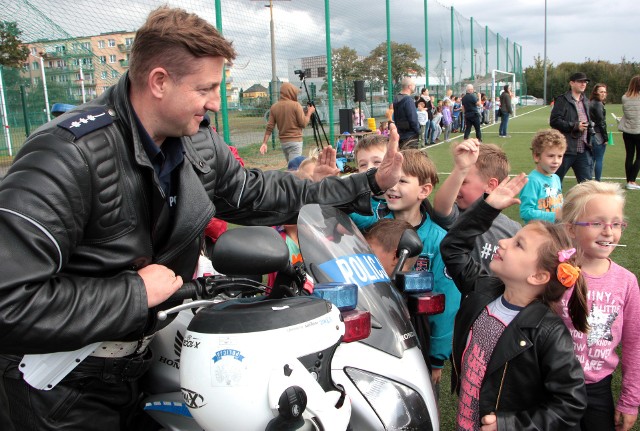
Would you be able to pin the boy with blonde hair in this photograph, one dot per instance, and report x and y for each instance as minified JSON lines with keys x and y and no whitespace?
{"x":541,"y":198}
{"x":478,"y":169}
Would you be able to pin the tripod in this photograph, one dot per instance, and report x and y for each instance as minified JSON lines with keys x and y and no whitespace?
{"x":316,"y":123}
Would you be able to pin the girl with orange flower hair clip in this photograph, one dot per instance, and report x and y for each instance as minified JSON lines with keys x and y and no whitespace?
{"x":593,"y":214}
{"x":514,"y":367}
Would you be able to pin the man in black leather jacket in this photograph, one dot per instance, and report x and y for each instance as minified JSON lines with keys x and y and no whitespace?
{"x":570,"y":115}
{"x":102,"y":217}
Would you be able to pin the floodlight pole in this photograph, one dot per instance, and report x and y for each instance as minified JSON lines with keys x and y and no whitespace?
{"x":274,"y":77}
{"x":5,"y":121}
{"x":44,"y":85}
{"x":84,"y":95}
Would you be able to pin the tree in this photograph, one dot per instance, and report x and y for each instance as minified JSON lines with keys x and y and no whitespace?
{"x":404,"y":61}
{"x":12,"y":52}
{"x":346,"y":68}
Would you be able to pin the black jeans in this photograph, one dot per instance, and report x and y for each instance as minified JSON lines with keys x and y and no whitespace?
{"x":632,"y":158}
{"x":582,"y":164}
{"x":99,"y":394}
{"x":472,"y":121}
{"x":598,"y":416}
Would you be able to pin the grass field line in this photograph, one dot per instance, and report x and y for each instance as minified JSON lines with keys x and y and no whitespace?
{"x":490,"y":125}
{"x":566,"y":176}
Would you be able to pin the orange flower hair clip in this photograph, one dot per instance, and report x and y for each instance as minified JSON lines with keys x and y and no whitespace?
{"x":567,"y":274}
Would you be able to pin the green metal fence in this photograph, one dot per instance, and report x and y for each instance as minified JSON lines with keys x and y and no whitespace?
{"x":82,"y":48}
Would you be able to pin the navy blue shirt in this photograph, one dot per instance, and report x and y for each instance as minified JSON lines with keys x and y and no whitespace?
{"x":470,"y":105}
{"x":164,"y":159}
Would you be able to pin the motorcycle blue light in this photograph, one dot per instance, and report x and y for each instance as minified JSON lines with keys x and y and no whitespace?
{"x":414,"y":281}
{"x":342,"y":295}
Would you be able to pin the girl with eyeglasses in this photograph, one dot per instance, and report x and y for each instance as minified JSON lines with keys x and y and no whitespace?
{"x":593,"y":213}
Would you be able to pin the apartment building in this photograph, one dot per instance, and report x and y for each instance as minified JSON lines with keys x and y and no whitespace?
{"x":93,"y":62}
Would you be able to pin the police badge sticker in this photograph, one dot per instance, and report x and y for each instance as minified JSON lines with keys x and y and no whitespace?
{"x":228,"y":368}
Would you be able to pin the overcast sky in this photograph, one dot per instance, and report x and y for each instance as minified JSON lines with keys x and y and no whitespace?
{"x":576,"y":30}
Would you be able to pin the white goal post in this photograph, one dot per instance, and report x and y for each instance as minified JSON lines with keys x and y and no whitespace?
{"x":498,"y":79}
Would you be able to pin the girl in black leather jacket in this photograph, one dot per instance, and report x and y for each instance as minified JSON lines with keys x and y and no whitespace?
{"x":514,"y":364}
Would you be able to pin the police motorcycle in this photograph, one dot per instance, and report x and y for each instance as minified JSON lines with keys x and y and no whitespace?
{"x":350,"y":361}
{"x":236,"y":358}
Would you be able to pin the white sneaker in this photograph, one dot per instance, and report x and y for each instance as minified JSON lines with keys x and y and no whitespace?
{"x":631,"y":186}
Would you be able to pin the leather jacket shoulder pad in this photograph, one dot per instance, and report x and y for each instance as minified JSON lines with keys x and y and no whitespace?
{"x":86,"y":122}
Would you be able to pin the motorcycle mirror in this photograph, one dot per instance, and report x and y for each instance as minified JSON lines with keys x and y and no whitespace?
{"x":409,"y":241}
{"x":410,"y":245}
{"x":250,"y":250}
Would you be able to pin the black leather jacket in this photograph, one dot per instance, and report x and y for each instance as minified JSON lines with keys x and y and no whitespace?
{"x":80,"y":212}
{"x":533,"y":380}
{"x":564,"y":118}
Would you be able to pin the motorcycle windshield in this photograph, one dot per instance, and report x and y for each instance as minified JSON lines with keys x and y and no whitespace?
{"x":334,"y":250}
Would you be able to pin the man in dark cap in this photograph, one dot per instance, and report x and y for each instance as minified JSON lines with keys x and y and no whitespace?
{"x":570,"y":115}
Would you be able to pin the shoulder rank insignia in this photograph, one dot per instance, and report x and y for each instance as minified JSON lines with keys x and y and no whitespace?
{"x":86,"y":122}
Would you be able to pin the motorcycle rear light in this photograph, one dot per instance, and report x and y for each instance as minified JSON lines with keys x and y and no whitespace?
{"x":357,"y":325}
{"x":427,"y":303}
{"x":342,"y":295}
{"x":414,"y":281}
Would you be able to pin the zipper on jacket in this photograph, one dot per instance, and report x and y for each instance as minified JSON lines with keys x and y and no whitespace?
{"x":504,"y":373}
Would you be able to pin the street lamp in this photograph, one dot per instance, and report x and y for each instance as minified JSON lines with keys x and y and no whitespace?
{"x":274,"y":76}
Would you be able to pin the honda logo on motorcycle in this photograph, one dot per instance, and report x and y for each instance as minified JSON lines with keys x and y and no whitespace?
{"x":359,"y":269}
{"x":192,"y":399}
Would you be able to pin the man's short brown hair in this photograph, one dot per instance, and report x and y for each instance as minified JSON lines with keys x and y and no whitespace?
{"x":492,"y":162}
{"x":417,"y":164}
{"x":171,"y":38}
{"x":547,"y":139}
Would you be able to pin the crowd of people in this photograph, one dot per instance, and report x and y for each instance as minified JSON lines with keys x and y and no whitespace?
{"x":103,"y":214}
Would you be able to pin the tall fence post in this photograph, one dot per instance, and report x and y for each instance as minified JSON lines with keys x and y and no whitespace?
{"x":389,"y":77}
{"x":223,"y":84}
{"x":23,"y":98}
{"x":453,"y":48}
{"x":473,"y":54}
{"x":327,"y":20}
{"x":426,"y":45}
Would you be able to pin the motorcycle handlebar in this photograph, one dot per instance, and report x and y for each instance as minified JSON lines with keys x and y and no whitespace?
{"x":188,"y":290}
{"x":211,"y":286}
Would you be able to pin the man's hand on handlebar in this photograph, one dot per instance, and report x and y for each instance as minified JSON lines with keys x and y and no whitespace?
{"x":160,"y":282}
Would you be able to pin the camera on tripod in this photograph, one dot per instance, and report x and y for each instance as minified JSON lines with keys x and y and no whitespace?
{"x":300,"y":73}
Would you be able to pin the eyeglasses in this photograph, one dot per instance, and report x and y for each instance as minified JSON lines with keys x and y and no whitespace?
{"x":598,"y":225}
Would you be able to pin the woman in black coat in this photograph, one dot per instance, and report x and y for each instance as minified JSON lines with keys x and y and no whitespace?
{"x":598,"y":115}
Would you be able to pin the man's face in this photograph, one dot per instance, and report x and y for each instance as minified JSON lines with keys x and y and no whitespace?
{"x":186,"y":101}
{"x":578,"y":86}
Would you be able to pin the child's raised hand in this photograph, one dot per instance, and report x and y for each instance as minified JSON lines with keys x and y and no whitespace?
{"x":489,"y":423}
{"x":388,"y":173}
{"x":466,"y":153}
{"x":326,"y":165}
{"x":506,"y":193}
